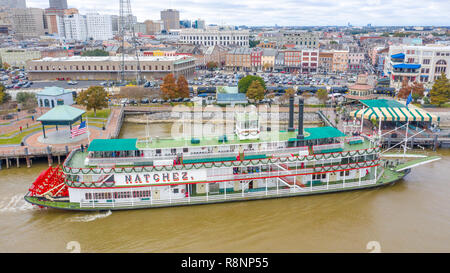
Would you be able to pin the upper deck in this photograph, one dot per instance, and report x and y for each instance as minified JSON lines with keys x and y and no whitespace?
{"x":215,"y":149}
{"x":310,"y":134}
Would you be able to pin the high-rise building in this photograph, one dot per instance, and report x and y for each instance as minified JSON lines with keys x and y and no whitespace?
{"x":154,"y":26}
{"x":423,"y":64}
{"x":71,"y":11}
{"x":15,"y":4}
{"x":115,"y":24}
{"x":199,"y":24}
{"x":171,"y":19}
{"x":28,"y":22}
{"x":185,"y":24}
{"x":299,"y":38}
{"x":53,"y":19}
{"x":140,"y":28}
{"x":75,"y":27}
{"x":210,"y":37}
{"x":58,"y":4}
{"x":99,"y":27}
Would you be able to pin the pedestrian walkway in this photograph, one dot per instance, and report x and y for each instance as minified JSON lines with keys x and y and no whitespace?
{"x":36,"y":147}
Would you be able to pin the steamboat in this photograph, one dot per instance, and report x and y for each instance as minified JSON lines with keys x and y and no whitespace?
{"x":251,"y":164}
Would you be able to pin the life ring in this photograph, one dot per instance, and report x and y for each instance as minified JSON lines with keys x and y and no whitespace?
{"x":182,"y":190}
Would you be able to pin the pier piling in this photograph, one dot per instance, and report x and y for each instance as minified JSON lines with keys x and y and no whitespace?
{"x":49,"y":156}
{"x":435,"y":142}
{"x":27,"y":157}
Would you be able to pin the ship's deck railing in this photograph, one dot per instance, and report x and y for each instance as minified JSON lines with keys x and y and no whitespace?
{"x":279,"y":192}
{"x":333,"y":147}
{"x":221,"y":148}
{"x":354,"y":139}
{"x":286,"y":172}
{"x":144,"y":159}
{"x":281,"y":158}
{"x":117,"y":160}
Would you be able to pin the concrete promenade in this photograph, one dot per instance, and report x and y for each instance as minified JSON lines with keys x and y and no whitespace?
{"x":32,"y":147}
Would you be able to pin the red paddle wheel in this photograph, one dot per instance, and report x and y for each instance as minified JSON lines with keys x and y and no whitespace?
{"x":50,"y":182}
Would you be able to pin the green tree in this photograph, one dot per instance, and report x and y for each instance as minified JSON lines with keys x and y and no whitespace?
{"x":27,"y":99}
{"x":405,"y":90}
{"x":211,"y":65}
{"x":169,"y":87}
{"x":182,"y":87}
{"x":245,"y":82}
{"x":417,"y":90}
{"x":95,"y":97}
{"x":287,"y":94}
{"x":4,"y":97}
{"x":95,"y":52}
{"x":440,"y":93}
{"x":252,"y":43}
{"x":24,"y":97}
{"x":6,"y":66}
{"x":255,"y":91}
{"x":2,"y":93}
{"x":322,"y":95}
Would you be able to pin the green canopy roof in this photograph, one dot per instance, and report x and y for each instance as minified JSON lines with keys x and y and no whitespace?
{"x":53,"y":91}
{"x":61,"y":115}
{"x":112,"y":145}
{"x":382,"y":103}
{"x":322,"y":132}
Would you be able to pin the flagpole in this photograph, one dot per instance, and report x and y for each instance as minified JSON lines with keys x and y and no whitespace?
{"x":87,"y":127}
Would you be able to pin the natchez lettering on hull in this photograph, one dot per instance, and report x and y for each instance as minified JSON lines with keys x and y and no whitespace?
{"x":160,"y":177}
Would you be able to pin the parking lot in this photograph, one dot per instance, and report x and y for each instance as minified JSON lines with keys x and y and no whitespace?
{"x":226,"y":78}
{"x":205,"y":83}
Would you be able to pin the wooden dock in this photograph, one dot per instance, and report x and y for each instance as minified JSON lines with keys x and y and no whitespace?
{"x":434,"y":142}
{"x":13,"y":156}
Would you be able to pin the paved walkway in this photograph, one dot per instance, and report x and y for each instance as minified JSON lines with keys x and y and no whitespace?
{"x":24,"y":119}
{"x":34,"y":145}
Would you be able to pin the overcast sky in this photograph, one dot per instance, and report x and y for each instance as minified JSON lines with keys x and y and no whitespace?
{"x":281,"y":12}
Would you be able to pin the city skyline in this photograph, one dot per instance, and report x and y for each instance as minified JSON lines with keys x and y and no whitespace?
{"x":286,"y":13}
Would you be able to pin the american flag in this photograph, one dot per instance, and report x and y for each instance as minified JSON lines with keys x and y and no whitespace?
{"x":79,"y":130}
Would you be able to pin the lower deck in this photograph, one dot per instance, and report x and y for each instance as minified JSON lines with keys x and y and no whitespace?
{"x":384,"y":177}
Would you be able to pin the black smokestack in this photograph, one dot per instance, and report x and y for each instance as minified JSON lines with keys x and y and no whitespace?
{"x":291,"y":115}
{"x":300,"y":120}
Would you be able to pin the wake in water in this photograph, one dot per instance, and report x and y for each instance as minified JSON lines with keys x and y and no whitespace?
{"x":15,"y":203}
{"x":90,"y":217}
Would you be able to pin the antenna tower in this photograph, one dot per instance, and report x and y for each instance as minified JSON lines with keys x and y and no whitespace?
{"x":126,"y":33}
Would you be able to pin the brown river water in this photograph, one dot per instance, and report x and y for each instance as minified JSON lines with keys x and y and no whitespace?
{"x":412,"y":215}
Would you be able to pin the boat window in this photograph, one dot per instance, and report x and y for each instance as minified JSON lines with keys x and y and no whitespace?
{"x":158,"y":151}
{"x":185,"y":150}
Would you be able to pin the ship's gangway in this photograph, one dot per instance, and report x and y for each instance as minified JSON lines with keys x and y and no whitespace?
{"x":290,"y":181}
